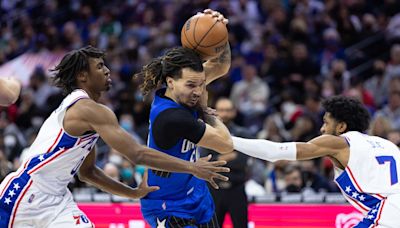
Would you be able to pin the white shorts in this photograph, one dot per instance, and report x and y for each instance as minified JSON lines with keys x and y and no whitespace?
{"x":24,"y":205}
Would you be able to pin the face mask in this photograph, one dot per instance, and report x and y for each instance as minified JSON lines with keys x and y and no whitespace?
{"x":126,"y":125}
{"x":126,"y":174}
{"x":140,"y":169}
{"x":307,"y":175}
{"x":378,"y":72}
{"x":337,"y":75}
{"x":116,"y":159}
{"x":293,"y":188}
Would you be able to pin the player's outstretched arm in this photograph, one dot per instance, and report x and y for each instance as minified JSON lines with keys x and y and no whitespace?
{"x":9,"y":91}
{"x":95,"y":176}
{"x":272,"y":151}
{"x":102,"y":120}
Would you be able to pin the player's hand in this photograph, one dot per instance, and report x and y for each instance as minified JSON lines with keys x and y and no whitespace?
{"x":210,"y":111}
{"x":144,"y":189}
{"x":206,"y":170}
{"x":218,"y":15}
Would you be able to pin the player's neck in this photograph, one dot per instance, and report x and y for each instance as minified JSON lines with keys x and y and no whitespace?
{"x":93,"y":95}
{"x":169,"y":95}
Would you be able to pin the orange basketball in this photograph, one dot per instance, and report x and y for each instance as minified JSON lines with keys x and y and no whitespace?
{"x":205,"y":34}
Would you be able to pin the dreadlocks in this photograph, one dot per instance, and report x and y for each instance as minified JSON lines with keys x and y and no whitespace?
{"x":170,"y":65}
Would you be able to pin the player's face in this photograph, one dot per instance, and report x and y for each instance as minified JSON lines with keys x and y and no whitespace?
{"x":99,"y":75}
{"x":188,"y":89}
{"x":225,"y":110}
{"x":330,"y":125}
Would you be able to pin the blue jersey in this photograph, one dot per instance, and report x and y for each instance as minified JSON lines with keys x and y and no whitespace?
{"x":180,"y":194}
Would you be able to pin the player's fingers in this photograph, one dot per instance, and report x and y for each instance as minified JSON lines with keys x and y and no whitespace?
{"x":218,"y":163}
{"x":212,"y":182}
{"x":221,"y":169}
{"x":207,"y":11}
{"x":153,"y":188}
{"x":215,"y":14}
{"x":221,"y":177}
{"x":207,"y":158}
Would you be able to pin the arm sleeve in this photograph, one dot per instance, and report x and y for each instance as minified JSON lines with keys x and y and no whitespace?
{"x":173,"y":124}
{"x":265,"y":150}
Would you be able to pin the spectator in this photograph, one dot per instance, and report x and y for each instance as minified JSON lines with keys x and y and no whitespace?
{"x":293,"y":179}
{"x":234,"y":188}
{"x":380,"y":126}
{"x":392,"y":110}
{"x":378,"y":83}
{"x":250,"y":95}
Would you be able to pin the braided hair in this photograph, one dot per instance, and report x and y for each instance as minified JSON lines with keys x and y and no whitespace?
{"x":171,"y":64}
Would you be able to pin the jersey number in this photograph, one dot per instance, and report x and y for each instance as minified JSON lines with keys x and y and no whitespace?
{"x":393,"y":169}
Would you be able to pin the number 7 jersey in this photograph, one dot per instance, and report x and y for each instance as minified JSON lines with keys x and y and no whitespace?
{"x":372,"y":172}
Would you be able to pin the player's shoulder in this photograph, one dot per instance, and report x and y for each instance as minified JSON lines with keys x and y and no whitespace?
{"x":330,"y":141}
{"x":89,"y":109}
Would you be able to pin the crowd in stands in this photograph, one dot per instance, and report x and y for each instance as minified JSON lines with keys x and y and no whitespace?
{"x":287,"y":56}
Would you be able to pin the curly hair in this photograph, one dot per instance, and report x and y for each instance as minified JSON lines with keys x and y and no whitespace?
{"x":71,"y":65}
{"x":348,"y":110}
{"x":171,"y":64}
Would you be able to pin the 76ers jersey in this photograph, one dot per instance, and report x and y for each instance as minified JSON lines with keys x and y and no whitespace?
{"x":55,"y":156}
{"x":372,"y":173}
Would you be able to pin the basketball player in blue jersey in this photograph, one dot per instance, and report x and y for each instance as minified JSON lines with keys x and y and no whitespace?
{"x":36,"y":195}
{"x":367,"y":168}
{"x":9,"y":91}
{"x":176,"y":129}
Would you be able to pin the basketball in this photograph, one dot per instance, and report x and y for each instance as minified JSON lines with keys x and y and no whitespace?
{"x":204,"y":34}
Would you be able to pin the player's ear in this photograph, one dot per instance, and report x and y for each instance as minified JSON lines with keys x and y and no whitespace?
{"x":170,"y":82}
{"x":341,"y":127}
{"x":82,"y":76}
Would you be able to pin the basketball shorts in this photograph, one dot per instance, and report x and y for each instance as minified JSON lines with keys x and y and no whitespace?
{"x":23,"y":205}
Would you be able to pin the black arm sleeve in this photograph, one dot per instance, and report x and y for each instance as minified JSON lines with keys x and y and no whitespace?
{"x":172,"y":124}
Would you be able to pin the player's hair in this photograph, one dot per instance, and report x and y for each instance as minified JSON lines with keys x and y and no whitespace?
{"x":171,"y":64}
{"x":348,"y":110}
{"x":73,"y":63}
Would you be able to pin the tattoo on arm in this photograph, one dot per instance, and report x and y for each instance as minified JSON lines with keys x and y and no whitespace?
{"x":225,"y":56}
{"x":210,"y":119}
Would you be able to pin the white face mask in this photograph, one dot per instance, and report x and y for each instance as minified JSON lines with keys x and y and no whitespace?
{"x":115,"y":159}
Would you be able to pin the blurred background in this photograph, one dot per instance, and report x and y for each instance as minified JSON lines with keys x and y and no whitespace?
{"x":287,"y":56}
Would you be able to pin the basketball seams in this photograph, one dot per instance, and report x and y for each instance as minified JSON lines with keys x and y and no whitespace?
{"x":194,"y":33}
{"x":187,"y":40}
{"x":205,"y":35}
{"x":204,"y":32}
{"x":214,"y":44}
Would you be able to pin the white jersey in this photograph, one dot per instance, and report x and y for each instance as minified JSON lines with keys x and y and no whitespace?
{"x":53,"y":160}
{"x":372,"y":172}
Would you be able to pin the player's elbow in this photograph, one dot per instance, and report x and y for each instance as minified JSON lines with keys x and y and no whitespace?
{"x":139,"y":155}
{"x":225,"y":146}
{"x":228,"y":146}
